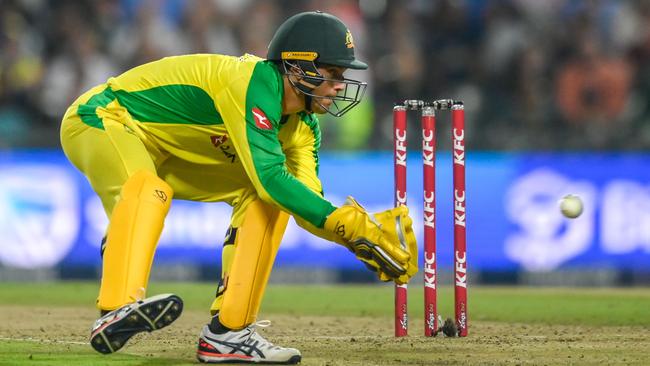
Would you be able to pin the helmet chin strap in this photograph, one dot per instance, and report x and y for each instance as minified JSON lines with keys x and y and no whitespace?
{"x":304,"y":91}
{"x":310,"y":79}
{"x":308,"y":100}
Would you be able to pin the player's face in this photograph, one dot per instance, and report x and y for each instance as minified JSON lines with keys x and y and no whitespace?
{"x":328,"y":88}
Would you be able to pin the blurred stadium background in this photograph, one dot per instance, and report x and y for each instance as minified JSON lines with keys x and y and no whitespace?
{"x":557,"y":95}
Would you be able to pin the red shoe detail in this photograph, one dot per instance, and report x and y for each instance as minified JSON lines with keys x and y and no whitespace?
{"x":228,"y":355}
{"x":204,"y":344}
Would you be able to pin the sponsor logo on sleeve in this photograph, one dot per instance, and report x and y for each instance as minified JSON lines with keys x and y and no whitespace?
{"x":260,"y":119}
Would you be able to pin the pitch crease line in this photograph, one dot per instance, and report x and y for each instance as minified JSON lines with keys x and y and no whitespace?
{"x":41,"y":340}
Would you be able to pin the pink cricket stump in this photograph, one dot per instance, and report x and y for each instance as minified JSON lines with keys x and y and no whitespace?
{"x":460,"y":254}
{"x":429,"y":186}
{"x":399,"y":137}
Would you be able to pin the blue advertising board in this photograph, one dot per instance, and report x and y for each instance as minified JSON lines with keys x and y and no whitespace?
{"x":49,"y":215}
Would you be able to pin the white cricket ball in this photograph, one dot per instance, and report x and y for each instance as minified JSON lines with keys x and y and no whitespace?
{"x":571,"y":206}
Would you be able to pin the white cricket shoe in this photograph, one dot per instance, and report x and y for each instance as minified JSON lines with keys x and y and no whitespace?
{"x":243,"y":346}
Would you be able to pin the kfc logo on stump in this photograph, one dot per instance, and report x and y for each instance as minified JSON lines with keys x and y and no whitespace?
{"x":260,"y":119}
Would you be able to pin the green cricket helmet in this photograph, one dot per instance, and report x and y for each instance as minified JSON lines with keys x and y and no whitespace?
{"x":312,"y":39}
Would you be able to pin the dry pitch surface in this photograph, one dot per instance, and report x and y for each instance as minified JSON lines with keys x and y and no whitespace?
{"x":57,"y":334}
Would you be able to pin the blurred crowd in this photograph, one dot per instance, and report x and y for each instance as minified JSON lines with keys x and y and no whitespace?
{"x":534,"y":74}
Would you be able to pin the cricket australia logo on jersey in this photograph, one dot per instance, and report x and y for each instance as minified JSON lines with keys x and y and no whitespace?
{"x":261,"y":121}
{"x":217,"y":140}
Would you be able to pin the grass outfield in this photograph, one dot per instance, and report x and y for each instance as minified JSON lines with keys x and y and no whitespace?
{"x":48,"y":324}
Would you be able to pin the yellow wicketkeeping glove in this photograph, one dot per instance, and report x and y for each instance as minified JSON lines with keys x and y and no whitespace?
{"x":384,"y":242}
{"x":398,"y":226}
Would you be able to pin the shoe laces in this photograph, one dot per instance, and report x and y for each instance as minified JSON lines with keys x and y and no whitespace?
{"x":258,"y":337}
{"x":262,"y":323}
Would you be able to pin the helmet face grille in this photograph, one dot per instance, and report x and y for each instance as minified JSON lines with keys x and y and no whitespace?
{"x":348,"y":98}
{"x":310,"y":78}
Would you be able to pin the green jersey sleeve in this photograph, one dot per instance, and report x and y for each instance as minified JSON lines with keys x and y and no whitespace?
{"x":261,"y":152}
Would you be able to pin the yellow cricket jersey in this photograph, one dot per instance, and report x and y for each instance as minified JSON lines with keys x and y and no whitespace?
{"x":196,"y":107}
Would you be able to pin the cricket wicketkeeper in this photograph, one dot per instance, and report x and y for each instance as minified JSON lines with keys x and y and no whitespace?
{"x":241,"y":130}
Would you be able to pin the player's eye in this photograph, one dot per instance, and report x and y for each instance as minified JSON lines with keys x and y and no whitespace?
{"x":335,"y":74}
